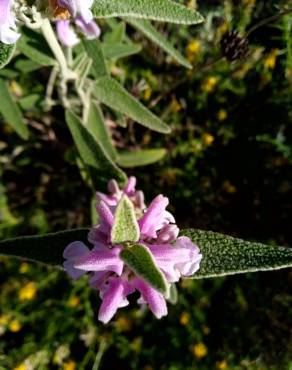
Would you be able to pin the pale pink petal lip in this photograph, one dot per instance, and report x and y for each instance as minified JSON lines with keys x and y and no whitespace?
{"x":154,"y":299}
{"x":113,"y":298}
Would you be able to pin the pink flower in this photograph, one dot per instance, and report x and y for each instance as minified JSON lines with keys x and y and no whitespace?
{"x":8,"y":29}
{"x":174,"y":257}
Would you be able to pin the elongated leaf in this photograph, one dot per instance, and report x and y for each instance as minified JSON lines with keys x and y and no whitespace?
{"x":159,"y":10}
{"x":141,"y":261}
{"x":222,"y":255}
{"x":6,"y":53}
{"x":225,"y":255}
{"x":125,"y":228}
{"x":97,"y":127}
{"x":149,"y":31}
{"x":111,"y":93}
{"x":119,"y":50}
{"x":100,"y":165}
{"x":140,"y":157}
{"x":94,"y":51}
{"x":34,"y":46}
{"x":46,"y":249}
{"x":11,"y":112}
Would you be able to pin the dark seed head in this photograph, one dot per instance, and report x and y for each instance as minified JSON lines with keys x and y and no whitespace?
{"x":233,"y":46}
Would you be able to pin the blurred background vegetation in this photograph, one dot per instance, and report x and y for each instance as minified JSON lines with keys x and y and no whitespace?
{"x":227,"y":168}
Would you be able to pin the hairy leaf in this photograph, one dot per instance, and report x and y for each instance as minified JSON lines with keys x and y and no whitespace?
{"x":159,"y":10}
{"x":6,"y":53}
{"x":140,"y":157}
{"x":98,"y":128}
{"x":125,"y":227}
{"x":149,"y":31}
{"x":225,"y":255}
{"x":94,"y":51}
{"x":111,"y":93}
{"x":141,"y":261}
{"x":100,"y":166}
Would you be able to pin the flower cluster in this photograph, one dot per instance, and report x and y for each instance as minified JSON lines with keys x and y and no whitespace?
{"x":82,"y":18}
{"x":65,"y":12}
{"x":8,"y":29}
{"x":174,"y":256}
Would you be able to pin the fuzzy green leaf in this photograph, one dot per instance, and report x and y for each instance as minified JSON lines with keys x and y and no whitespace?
{"x":100,"y":166}
{"x":140,"y":157}
{"x":141,"y":261}
{"x":149,"y":31}
{"x":111,"y":93}
{"x":225,"y":255}
{"x":159,"y":10}
{"x":98,"y":128}
{"x":125,"y":228}
{"x":94,"y":51}
{"x":11,"y":111}
{"x":6,"y":53}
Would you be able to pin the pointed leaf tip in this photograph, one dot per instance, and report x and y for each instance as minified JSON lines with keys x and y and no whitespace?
{"x":125,"y":228}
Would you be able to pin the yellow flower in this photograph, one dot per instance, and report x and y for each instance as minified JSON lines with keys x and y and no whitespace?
{"x":193,"y":47}
{"x":222,"y":115}
{"x":16,"y":88}
{"x":14,"y":326}
{"x":209,"y":84}
{"x":199,"y":350}
{"x":271,"y":59}
{"x":4,"y":319}
{"x":24,"y":268}
{"x":208,"y":139}
{"x":123,"y":323}
{"x":147,"y":93}
{"x":70,"y":365}
{"x":191,"y":4}
{"x":221,"y":365}
{"x":206,"y":330}
{"x":228,"y":187}
{"x":27,"y":292}
{"x":223,"y":28}
{"x":184,"y":318}
{"x":175,"y":106}
{"x":136,"y":345}
{"x":20,"y":367}
{"x":73,"y":301}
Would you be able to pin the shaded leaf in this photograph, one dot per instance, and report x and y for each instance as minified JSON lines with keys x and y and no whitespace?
{"x":101,"y":167}
{"x":11,"y":111}
{"x":98,"y":128}
{"x":140,"y":157}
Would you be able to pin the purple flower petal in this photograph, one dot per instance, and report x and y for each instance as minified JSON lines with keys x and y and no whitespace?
{"x":113,"y":296}
{"x":189,"y":267}
{"x":8,"y":30}
{"x":154,"y":299}
{"x":66,"y":34}
{"x":101,"y":261}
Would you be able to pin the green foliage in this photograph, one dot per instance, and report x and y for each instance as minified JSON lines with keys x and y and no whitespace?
{"x":159,"y":10}
{"x":224,"y":255}
{"x":140,"y":260}
{"x":6,"y":53}
{"x":149,"y":31}
{"x":111,"y":93}
{"x":125,"y":228}
{"x":11,"y":112}
{"x":101,"y":166}
{"x":138,"y":158}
